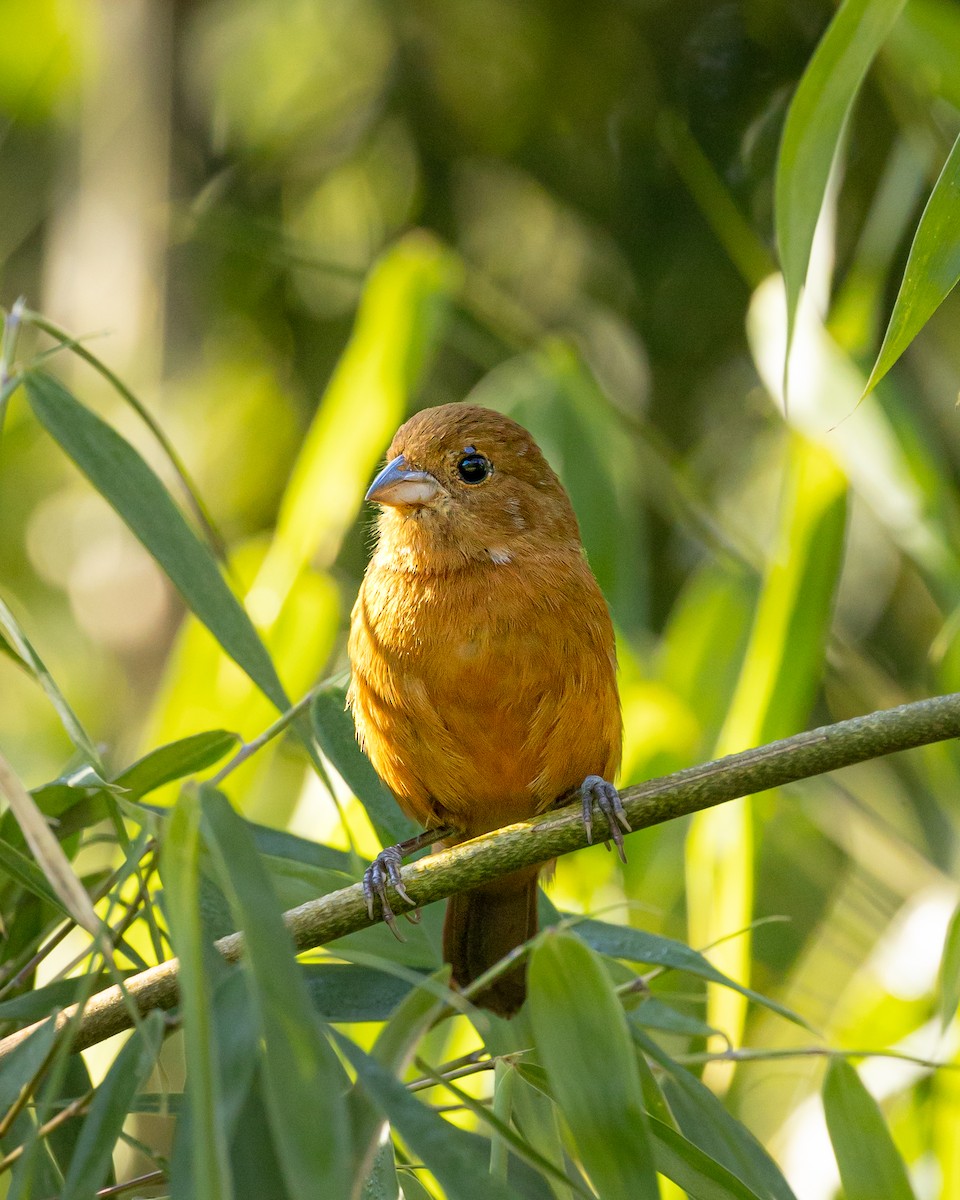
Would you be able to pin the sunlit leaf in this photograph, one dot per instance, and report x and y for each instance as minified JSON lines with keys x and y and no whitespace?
{"x":125,"y":480}
{"x":578,"y":1022}
{"x":814,"y":125}
{"x":950,"y":972}
{"x":932,"y":270}
{"x":870,"y":1164}
{"x":30,"y":659}
{"x":779,"y":676}
{"x":401,"y":314}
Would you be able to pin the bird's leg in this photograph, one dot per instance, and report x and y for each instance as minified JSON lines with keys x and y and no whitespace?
{"x":595,"y":790}
{"x":385,"y":869}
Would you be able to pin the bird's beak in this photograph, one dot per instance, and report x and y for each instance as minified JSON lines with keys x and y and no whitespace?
{"x":397,"y":484}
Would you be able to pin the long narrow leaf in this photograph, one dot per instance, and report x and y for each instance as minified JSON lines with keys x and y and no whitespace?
{"x":125,"y":480}
{"x":180,"y":872}
{"x":457,"y":1161}
{"x":870,"y":1164}
{"x":932,"y":270}
{"x":814,"y":125}
{"x":583,"y":1041}
{"x":305,"y":1083}
{"x":19,"y":646}
{"x":111,"y":1106}
{"x":47,"y":850}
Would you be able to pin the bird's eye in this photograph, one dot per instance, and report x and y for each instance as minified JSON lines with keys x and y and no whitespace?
{"x":473,"y":468}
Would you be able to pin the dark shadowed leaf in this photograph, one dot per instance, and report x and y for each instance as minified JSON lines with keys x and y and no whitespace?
{"x":338,"y":740}
{"x":305,"y":1084}
{"x":457,"y":1159}
{"x":93,"y":1156}
{"x":636,"y":945}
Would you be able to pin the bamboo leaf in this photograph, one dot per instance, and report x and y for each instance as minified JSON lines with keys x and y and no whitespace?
{"x":637,"y":945}
{"x":932,"y":270}
{"x":870,"y":1164}
{"x":814,"y":126}
{"x":950,"y":971}
{"x":304,"y":1081}
{"x":338,"y":740}
{"x":705,"y":1121}
{"x":458,"y":1160}
{"x":125,"y":480}
{"x":180,"y":871}
{"x":111,"y":1105}
{"x":692,"y":1170}
{"x":47,"y":850}
{"x":578,"y":1023}
{"x":19,"y":646}
{"x":176,"y":760}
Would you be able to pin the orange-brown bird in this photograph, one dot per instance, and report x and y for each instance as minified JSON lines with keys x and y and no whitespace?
{"x":484,"y":671}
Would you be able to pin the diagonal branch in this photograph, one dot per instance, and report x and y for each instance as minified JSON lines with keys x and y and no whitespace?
{"x":557,"y":832}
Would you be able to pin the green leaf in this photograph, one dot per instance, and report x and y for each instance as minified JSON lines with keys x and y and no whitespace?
{"x":654,"y":1014}
{"x":23,"y":1062}
{"x":176,"y":760}
{"x":110,"y":1107}
{"x":393,"y":1050}
{"x":636,"y":945}
{"x":32,"y":662}
{"x":125,"y":480}
{"x":691,"y":1169}
{"x":180,"y":872}
{"x":870,"y":1164}
{"x":950,"y":971}
{"x":814,"y":126}
{"x":705,"y":1121}
{"x":335,"y":732}
{"x":583,"y":1042}
{"x":304,"y":1081}
{"x":20,"y":868}
{"x":932,"y":270}
{"x":458,"y":1160}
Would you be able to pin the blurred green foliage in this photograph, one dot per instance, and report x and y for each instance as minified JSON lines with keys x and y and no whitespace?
{"x":286,"y":224}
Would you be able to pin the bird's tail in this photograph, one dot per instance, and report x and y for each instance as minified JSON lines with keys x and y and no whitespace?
{"x":483,"y":925}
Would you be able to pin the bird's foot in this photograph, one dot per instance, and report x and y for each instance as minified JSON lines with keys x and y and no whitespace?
{"x":596,"y":791}
{"x":385,"y":870}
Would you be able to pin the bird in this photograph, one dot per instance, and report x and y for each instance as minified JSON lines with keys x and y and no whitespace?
{"x":483,"y":666}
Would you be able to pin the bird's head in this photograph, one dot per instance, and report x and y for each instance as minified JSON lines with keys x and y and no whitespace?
{"x":466,"y":483}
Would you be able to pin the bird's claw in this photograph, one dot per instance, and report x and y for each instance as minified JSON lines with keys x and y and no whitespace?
{"x":595,"y":790}
{"x":384,"y":870}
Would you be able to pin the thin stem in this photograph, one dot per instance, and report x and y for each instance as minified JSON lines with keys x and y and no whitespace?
{"x":248,"y":749}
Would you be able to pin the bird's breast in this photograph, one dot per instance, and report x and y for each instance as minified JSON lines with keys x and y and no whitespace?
{"x":459,"y":680}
